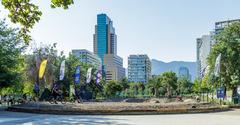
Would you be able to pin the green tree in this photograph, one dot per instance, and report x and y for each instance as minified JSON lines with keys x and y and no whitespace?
{"x":183,"y":85}
{"x":140,"y":89}
{"x":205,"y":85}
{"x":27,"y":14}
{"x":11,"y":59}
{"x":169,"y":80}
{"x":111,"y":88}
{"x":132,"y":90}
{"x":228,"y":44}
{"x":124,"y":82}
{"x":34,"y":60}
{"x":154,"y":85}
{"x":70,"y":66}
{"x":197,"y":86}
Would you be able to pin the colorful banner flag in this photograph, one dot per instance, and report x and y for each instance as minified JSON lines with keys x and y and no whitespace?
{"x":62,"y":70}
{"x":98,"y":77}
{"x":77,"y":75}
{"x":220,"y":92}
{"x":42,"y":68}
{"x":89,"y":73}
{"x":203,"y":72}
{"x":217,"y":65}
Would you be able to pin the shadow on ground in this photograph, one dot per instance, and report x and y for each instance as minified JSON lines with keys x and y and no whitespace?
{"x":13,"y":118}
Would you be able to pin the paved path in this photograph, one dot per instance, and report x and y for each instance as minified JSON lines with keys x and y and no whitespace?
{"x":223,"y":118}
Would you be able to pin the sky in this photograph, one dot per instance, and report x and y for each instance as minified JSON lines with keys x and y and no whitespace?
{"x":163,"y":29}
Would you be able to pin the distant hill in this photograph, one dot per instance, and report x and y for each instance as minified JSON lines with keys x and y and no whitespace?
{"x":159,"y":67}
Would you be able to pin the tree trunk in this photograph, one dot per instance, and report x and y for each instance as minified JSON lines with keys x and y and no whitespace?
{"x":168,"y":92}
{"x":234,"y":94}
{"x":156,"y":92}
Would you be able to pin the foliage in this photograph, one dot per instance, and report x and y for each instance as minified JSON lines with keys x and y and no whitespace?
{"x":61,"y":3}
{"x":154,"y":85}
{"x":34,"y":60}
{"x":23,"y":12}
{"x":11,"y":60}
{"x":124,"y":82}
{"x":169,"y":80}
{"x":71,"y":63}
{"x":196,"y":86}
{"x":112,"y":88}
{"x":27,"y":14}
{"x":205,"y":86}
{"x":135,"y":90}
{"x":228,"y":44}
{"x":184,"y":86}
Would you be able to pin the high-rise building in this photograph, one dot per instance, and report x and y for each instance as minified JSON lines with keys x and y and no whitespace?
{"x":204,"y":45}
{"x":219,"y":26}
{"x":105,"y":39}
{"x":183,"y":72}
{"x":105,"y":46}
{"x":139,"y":68}
{"x":114,"y":67}
{"x":88,"y":57}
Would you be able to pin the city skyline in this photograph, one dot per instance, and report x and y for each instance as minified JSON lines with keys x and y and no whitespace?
{"x":73,"y":28}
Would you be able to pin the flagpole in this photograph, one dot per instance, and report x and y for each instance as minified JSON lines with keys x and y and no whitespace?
{"x":221,"y":85}
{"x":218,"y":73}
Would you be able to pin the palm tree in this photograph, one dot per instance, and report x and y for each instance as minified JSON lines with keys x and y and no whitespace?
{"x":155,"y":84}
{"x":169,"y":80}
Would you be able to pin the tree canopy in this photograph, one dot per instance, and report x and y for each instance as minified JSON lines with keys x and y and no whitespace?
{"x":11,"y":60}
{"x":27,"y":14}
{"x":228,"y":44}
{"x":169,"y":80}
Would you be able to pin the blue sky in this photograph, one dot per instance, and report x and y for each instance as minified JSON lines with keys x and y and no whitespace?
{"x":164,"y":29}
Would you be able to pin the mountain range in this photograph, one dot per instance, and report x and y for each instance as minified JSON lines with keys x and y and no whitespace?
{"x":159,"y":67}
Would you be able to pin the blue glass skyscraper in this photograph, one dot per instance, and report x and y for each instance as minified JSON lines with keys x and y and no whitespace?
{"x":105,"y":39}
{"x":105,"y":46}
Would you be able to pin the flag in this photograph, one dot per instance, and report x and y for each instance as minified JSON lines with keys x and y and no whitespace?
{"x":217,"y":65}
{"x":77,"y":75}
{"x":89,"y":72}
{"x":62,"y":70}
{"x":98,"y":77}
{"x":203,"y":72}
{"x":42,"y":68}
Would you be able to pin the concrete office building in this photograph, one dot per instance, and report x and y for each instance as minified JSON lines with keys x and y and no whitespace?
{"x":204,"y":46}
{"x":88,"y":57}
{"x":219,"y":26}
{"x":113,"y":67}
{"x":139,"y":68}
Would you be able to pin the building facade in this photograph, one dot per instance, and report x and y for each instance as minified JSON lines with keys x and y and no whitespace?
{"x":204,"y":45}
{"x":105,"y":39}
{"x":183,"y":72}
{"x":113,"y":67}
{"x":219,"y":26}
{"x":105,"y":46}
{"x":139,"y":68}
{"x":88,"y":57}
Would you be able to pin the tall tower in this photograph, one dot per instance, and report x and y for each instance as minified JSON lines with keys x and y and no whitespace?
{"x":105,"y":46}
{"x":105,"y":39}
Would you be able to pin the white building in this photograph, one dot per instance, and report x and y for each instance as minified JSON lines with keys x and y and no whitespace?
{"x":204,"y":45}
{"x":88,"y":57}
